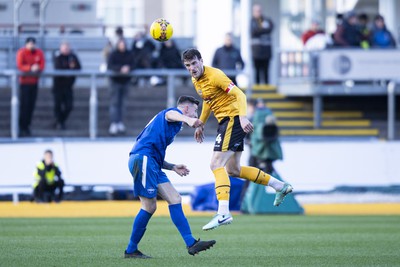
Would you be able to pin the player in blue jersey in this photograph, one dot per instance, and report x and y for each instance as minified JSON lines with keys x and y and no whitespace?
{"x":145,"y":163}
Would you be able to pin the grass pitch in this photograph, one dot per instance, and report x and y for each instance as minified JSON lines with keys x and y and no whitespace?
{"x":249,"y":241}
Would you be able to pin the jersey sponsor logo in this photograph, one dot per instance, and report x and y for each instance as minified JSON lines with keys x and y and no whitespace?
{"x":230,"y":86}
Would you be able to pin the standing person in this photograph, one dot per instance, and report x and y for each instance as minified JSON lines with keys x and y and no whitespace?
{"x":120,"y":61}
{"x":261,"y":43}
{"x":228,"y":57}
{"x":112,"y":42}
{"x":65,"y":59}
{"x":47,"y":180}
{"x":265,"y":144}
{"x":30,"y":59}
{"x":347,"y":33}
{"x":315,"y":29}
{"x":145,"y":163}
{"x":381,"y":37}
{"x":228,"y":103}
{"x":169,"y":58}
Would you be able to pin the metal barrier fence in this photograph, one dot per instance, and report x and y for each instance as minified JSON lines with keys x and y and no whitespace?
{"x":13,"y":75}
{"x":341,"y":72}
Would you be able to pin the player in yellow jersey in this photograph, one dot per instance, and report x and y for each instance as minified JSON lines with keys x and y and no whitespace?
{"x":228,"y":103}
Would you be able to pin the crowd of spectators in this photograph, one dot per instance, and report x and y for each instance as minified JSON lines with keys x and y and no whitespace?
{"x":352,"y":31}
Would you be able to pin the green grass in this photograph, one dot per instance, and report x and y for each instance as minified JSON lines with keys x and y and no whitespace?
{"x":249,"y":241}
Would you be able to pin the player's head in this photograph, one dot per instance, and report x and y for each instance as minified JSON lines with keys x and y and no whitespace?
{"x":193,"y":62}
{"x":188,"y":105}
{"x":48,"y":157}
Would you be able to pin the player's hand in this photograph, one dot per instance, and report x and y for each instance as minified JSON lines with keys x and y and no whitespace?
{"x":246,"y":124}
{"x":181,"y":169}
{"x":194,"y":123}
{"x":199,"y":134}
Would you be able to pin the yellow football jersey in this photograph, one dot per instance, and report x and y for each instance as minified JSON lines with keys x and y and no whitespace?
{"x":213,"y":87}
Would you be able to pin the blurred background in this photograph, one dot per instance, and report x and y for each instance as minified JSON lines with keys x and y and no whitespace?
{"x":334,"y":100}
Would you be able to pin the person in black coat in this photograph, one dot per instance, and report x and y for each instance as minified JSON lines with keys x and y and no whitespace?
{"x":261,"y":44}
{"x":170,"y":56}
{"x":121,"y":62}
{"x":64,"y":59}
{"x":228,"y":57}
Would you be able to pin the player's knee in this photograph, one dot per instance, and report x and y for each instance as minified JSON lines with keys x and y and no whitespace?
{"x":150,"y":206}
{"x":215,"y":164}
{"x":175,"y":199}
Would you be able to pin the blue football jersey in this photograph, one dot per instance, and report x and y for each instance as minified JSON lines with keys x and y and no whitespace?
{"x":156,"y":136}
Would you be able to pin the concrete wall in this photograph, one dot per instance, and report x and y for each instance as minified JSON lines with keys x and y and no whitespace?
{"x":307,"y":165}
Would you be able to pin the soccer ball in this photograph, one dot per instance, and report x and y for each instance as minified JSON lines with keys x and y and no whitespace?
{"x":161,"y":30}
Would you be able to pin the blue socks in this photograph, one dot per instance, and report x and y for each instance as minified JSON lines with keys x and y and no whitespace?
{"x":139,"y":227}
{"x":143,"y":217}
{"x":180,"y":221}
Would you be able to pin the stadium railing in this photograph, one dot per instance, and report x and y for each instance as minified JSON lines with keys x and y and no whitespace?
{"x":341,"y":72}
{"x":169,"y":74}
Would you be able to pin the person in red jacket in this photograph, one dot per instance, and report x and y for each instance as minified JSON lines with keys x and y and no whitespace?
{"x":314,"y":30}
{"x":30,"y":60}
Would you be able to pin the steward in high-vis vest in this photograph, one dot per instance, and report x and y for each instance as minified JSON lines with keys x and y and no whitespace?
{"x":47,"y":180}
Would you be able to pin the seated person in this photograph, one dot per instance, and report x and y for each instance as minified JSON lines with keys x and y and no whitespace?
{"x":47,"y":180}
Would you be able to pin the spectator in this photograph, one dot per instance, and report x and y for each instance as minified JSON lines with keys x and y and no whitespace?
{"x":265,"y":144}
{"x":64,"y":59}
{"x":142,"y":49}
{"x":261,"y":28}
{"x":119,"y":34}
{"x":120,"y":61}
{"x":169,"y":58}
{"x":347,"y":33}
{"x":314,"y":30}
{"x":29,"y":60}
{"x":380,"y":35}
{"x":47,"y":180}
{"x":228,"y":57}
{"x":364,"y":30}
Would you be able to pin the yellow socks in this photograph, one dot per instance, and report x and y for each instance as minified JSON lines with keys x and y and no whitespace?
{"x":254,"y":175}
{"x":222,"y":184}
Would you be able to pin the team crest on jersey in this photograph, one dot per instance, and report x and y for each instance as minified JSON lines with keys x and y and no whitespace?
{"x":200,"y":92}
{"x":230,"y":86}
{"x":150,"y":190}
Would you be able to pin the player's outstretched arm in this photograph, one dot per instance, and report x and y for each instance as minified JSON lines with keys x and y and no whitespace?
{"x":180,"y":169}
{"x":173,"y":115}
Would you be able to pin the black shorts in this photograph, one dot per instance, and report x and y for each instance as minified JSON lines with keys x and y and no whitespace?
{"x":230,"y":135}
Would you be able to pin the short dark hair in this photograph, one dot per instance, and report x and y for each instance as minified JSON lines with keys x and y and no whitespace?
{"x":187,"y":99}
{"x":190,"y":54}
{"x":48,"y":151}
{"x":30,"y":39}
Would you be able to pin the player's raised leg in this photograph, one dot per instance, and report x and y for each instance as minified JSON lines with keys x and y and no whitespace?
{"x":256,"y":175}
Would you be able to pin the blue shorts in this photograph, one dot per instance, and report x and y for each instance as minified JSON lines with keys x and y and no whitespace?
{"x":147,"y":174}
